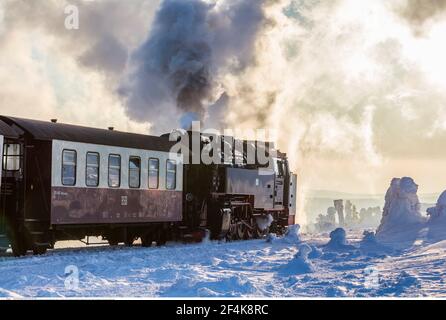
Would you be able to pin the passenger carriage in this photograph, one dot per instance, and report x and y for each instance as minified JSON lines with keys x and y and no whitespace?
{"x":65,"y":182}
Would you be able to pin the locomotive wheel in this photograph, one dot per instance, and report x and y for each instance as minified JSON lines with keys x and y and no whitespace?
{"x":112,"y":239}
{"x":249,"y":230}
{"x":231,"y":235}
{"x":18,"y":244}
{"x":18,"y":248}
{"x":146,"y":240}
{"x":240,"y":231}
{"x":39,"y":250}
{"x":259,"y":234}
{"x":249,"y":233}
{"x":113,"y":242}
{"x":129,"y":242}
{"x":161,"y":239}
{"x":129,"y":239}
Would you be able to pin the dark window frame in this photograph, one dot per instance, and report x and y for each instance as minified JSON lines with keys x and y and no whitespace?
{"x":167,"y":172}
{"x":120,"y":170}
{"x":5,"y":156}
{"x":280,"y":165}
{"x":86,"y":169}
{"x":75,"y":168}
{"x":139,"y":172}
{"x":157,"y":175}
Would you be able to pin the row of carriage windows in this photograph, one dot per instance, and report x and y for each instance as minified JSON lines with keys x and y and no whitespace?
{"x":92,"y":171}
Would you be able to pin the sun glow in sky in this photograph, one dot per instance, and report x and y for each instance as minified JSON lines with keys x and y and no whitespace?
{"x":430,"y":53}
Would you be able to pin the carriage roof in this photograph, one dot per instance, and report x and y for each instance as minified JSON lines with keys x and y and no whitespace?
{"x":48,"y":131}
{"x":7,"y":131}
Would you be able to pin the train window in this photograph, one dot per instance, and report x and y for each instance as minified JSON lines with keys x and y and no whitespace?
{"x":134,"y":172}
{"x":92,"y":169}
{"x":281,"y":170}
{"x":11,"y":157}
{"x":69,"y":162}
{"x":114,"y":171}
{"x":278,"y":167}
{"x":171,"y":174}
{"x":154,"y":165}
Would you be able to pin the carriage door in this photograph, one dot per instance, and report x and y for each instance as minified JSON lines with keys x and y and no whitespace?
{"x":279,"y":183}
{"x":4,"y":244}
{"x":1,"y":159}
{"x":11,"y":177}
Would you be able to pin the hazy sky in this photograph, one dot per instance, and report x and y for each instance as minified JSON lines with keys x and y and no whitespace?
{"x":354,"y":89}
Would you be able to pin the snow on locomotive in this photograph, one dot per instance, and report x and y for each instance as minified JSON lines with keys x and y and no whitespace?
{"x":66,"y":182}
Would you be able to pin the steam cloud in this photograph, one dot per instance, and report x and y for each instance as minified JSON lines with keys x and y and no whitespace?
{"x":192,"y":43}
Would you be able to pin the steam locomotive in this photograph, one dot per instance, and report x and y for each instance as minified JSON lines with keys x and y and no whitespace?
{"x":66,"y":182}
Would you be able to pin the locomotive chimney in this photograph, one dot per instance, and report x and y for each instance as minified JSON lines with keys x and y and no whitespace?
{"x":111,"y":128}
{"x":54,"y":120}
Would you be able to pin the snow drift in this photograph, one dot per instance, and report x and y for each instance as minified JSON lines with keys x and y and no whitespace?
{"x":370,"y":245}
{"x":291,"y":236}
{"x":300,"y":264}
{"x":338,"y":241}
{"x":236,"y":269}
{"x":271,"y":238}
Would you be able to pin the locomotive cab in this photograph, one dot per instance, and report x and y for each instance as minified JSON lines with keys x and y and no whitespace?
{"x":236,"y":198}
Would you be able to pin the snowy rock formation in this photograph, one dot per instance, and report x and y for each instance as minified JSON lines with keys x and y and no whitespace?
{"x":402,"y":218}
{"x":292,"y":234}
{"x":438,"y":213}
{"x":369,"y":245}
{"x":300,"y":264}
{"x":437,"y":219}
{"x":338,"y":241}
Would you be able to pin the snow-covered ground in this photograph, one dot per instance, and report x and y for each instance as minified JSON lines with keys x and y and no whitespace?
{"x":256,"y":268}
